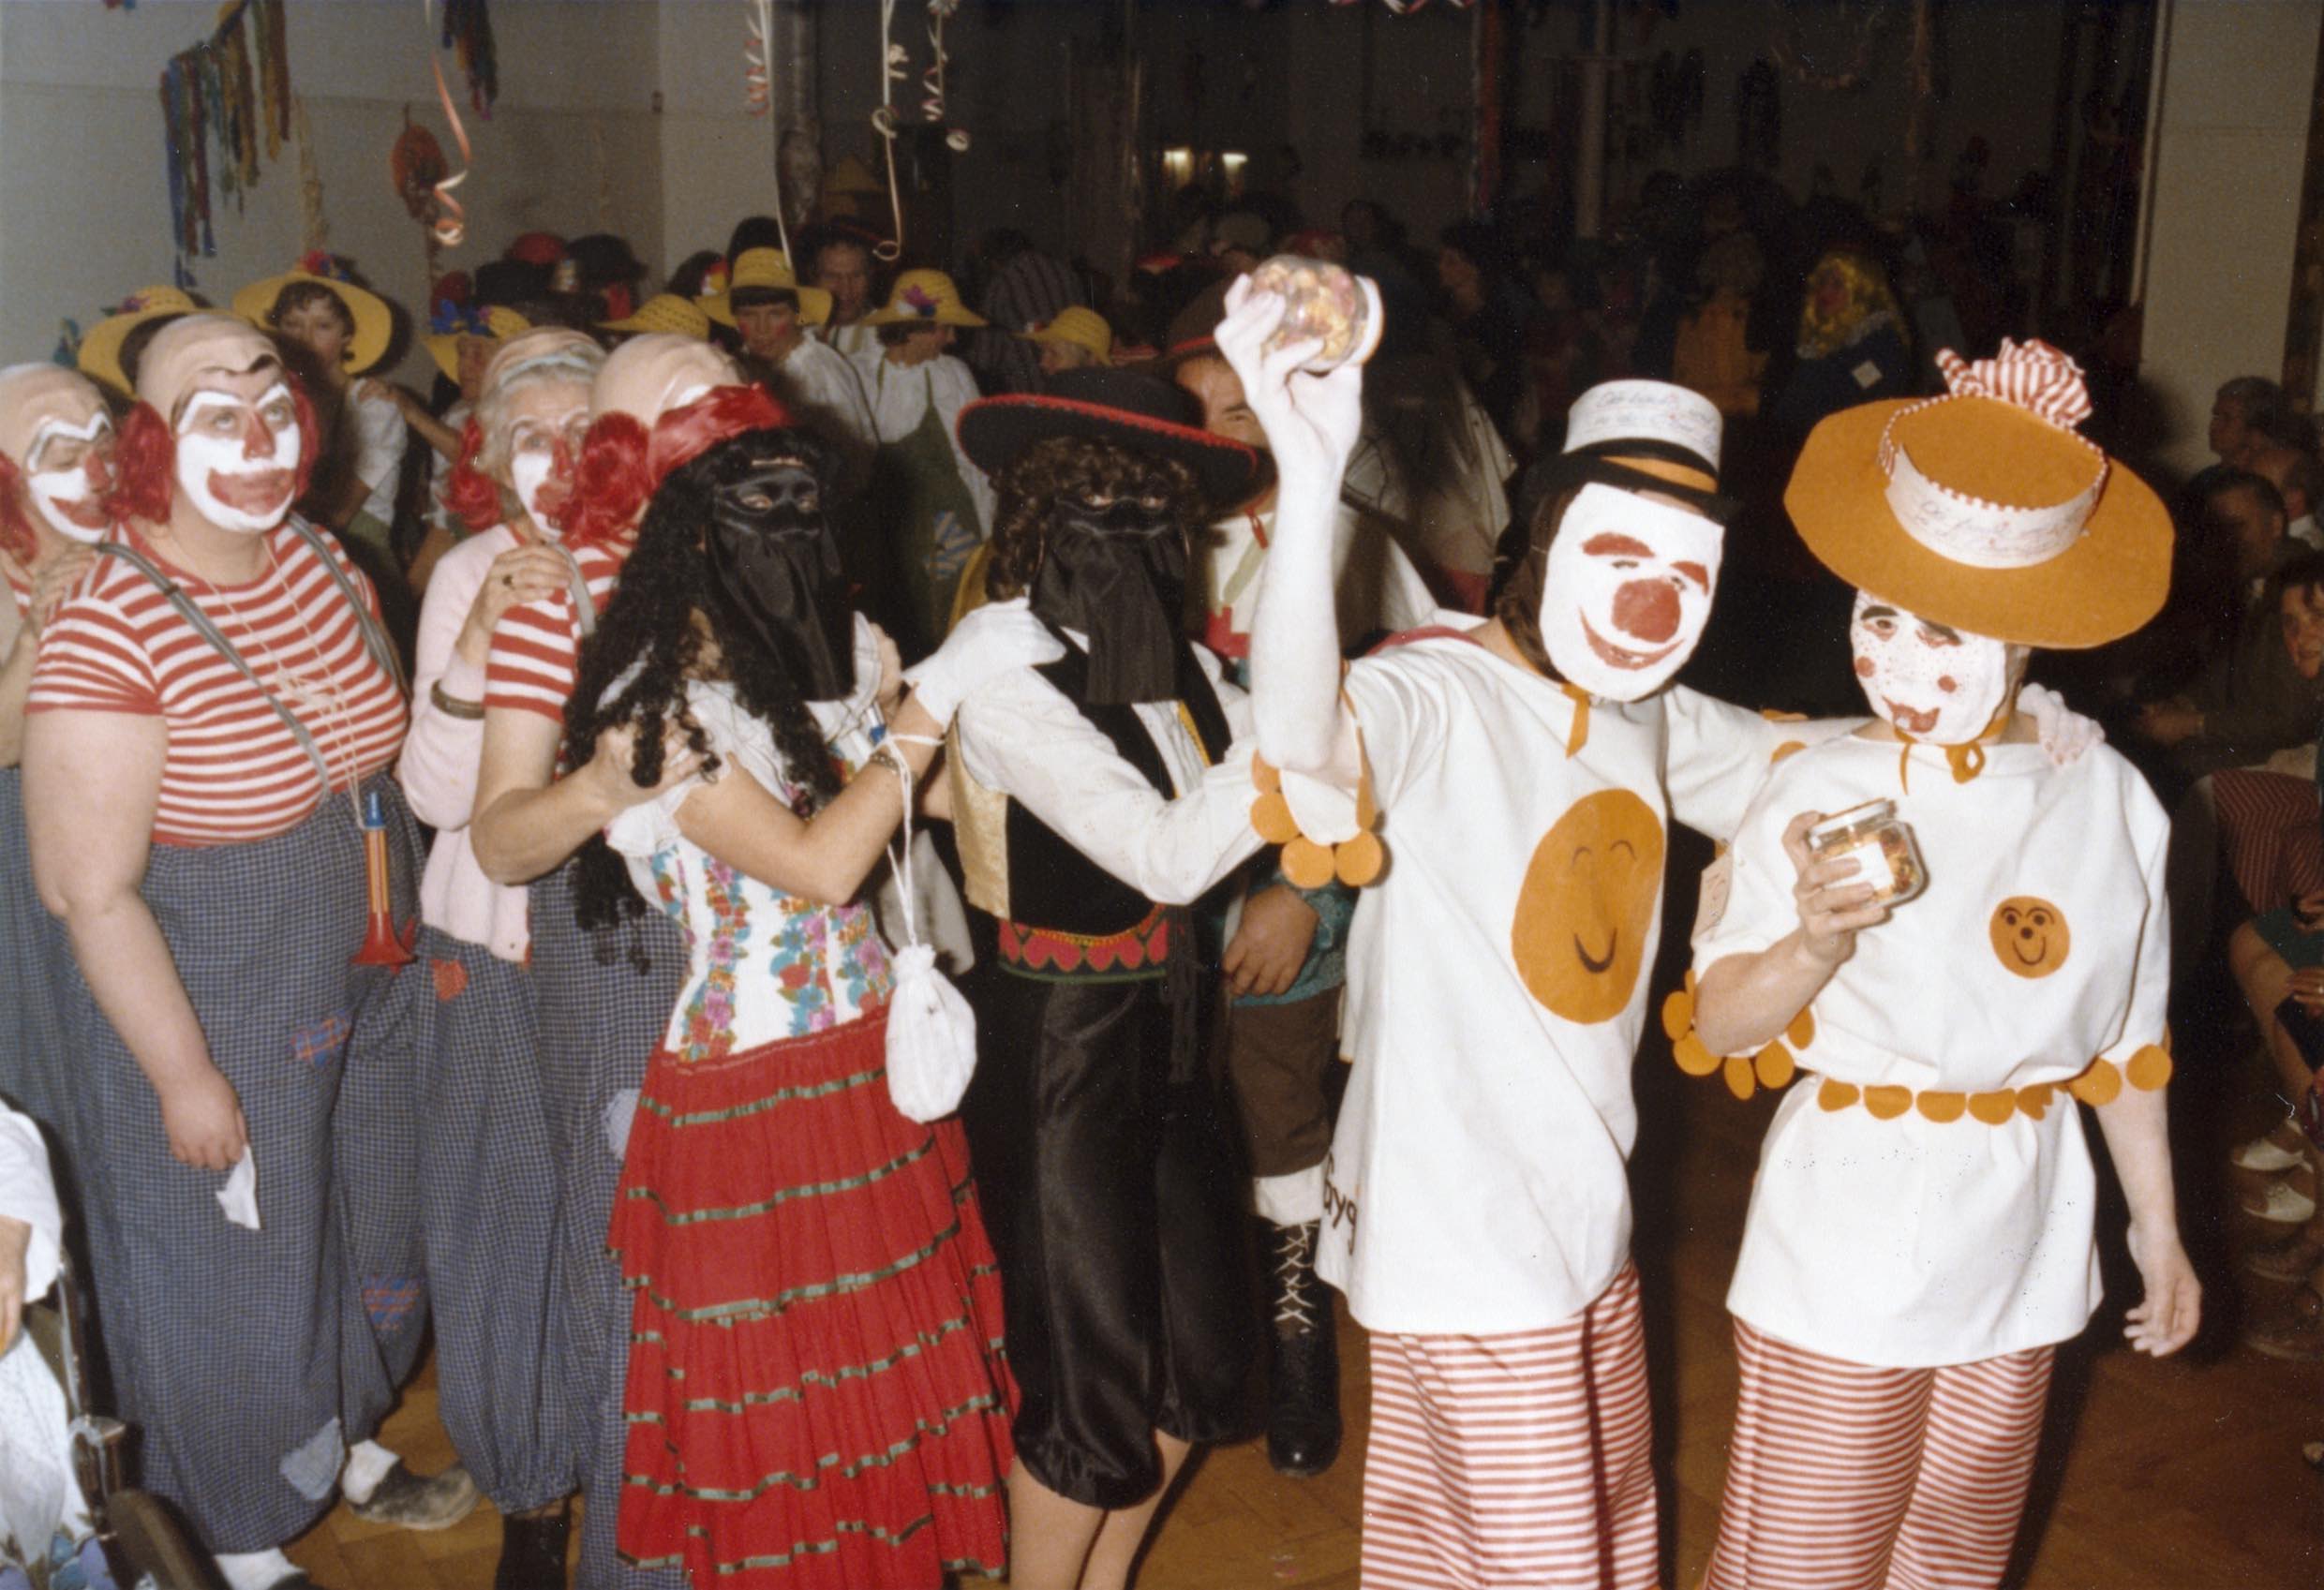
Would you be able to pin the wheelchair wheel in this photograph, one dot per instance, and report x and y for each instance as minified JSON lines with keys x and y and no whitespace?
{"x":158,"y":1547}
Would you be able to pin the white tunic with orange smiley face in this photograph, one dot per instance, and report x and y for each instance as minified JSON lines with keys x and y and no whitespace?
{"x":1935,"y":1234}
{"x":1497,"y":978}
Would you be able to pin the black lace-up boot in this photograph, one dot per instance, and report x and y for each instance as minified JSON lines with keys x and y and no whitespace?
{"x":1303,"y":1357}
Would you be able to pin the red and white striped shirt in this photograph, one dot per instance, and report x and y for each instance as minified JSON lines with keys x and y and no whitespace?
{"x":234,"y":772}
{"x":535,"y":659}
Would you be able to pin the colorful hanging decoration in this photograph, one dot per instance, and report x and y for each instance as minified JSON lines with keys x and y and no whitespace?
{"x":895,"y":67}
{"x":449,"y":227}
{"x":932,"y":80}
{"x":233,"y":90}
{"x":467,"y":32}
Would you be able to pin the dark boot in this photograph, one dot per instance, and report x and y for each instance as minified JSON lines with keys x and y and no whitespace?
{"x":532,"y":1551}
{"x":1303,"y":1357}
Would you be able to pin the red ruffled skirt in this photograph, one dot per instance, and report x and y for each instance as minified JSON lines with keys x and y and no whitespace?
{"x":817,"y":1393}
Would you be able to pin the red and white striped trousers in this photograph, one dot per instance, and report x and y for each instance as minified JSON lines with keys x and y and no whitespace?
{"x":1845,"y":1476}
{"x":1517,"y":1460}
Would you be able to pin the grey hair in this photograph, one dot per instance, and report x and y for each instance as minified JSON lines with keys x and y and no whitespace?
{"x":570,"y":362}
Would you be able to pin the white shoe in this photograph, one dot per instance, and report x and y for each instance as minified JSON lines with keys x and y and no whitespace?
{"x":2266,"y":1153}
{"x":2285,"y":1205}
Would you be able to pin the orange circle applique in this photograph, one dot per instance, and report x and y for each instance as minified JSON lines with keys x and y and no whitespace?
{"x":1994,"y":1109}
{"x":1775,"y":1067}
{"x":2034,"y":1100}
{"x":1788,"y":747}
{"x":1941,"y":1108}
{"x":1802,"y":1030}
{"x":1737,"y":1070}
{"x":1677,"y":1015}
{"x":451,"y":980}
{"x":1357,"y":861}
{"x":2098,"y":1085}
{"x":1272,"y":819}
{"x":1692,"y":1057}
{"x":1265,"y":779}
{"x":2030,"y":936}
{"x":2149,"y":1069}
{"x":1586,"y":906}
{"x":1836,"y":1095}
{"x":1888,"y":1103}
{"x":1307,"y":865}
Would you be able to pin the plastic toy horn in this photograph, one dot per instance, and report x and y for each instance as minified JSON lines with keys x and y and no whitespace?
{"x":383,"y":946}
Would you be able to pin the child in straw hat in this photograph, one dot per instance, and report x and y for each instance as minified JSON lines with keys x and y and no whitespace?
{"x":1920,"y":1230}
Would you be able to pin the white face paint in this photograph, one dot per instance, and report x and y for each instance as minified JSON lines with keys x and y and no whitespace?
{"x":1627,"y":591}
{"x":69,"y":492}
{"x":1935,"y":684}
{"x":529,"y":472}
{"x":238,"y":460}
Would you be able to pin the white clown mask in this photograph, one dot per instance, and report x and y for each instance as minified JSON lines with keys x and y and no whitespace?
{"x":1930,"y":682}
{"x":1627,"y":590}
{"x":68,"y":475}
{"x":238,"y":459}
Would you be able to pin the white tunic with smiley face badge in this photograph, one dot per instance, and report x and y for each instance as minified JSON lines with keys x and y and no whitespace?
{"x":1498,"y":978}
{"x":1925,"y":1196}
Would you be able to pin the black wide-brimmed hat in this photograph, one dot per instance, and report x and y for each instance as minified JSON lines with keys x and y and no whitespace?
{"x":1127,"y":407}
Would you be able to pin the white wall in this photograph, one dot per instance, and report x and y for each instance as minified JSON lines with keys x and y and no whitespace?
{"x":84,"y":208}
{"x":2232,"y":143}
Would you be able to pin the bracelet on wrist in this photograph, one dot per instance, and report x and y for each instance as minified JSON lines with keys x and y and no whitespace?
{"x":455,"y":706}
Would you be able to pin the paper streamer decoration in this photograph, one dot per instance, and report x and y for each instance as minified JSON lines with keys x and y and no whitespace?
{"x":467,"y":32}
{"x":894,"y":68}
{"x":451,"y":224}
{"x":759,"y":96}
{"x":233,"y":90}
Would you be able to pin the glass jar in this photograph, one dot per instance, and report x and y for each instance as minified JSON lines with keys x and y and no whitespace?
{"x":1882,"y":842}
{"x":1327,"y":301}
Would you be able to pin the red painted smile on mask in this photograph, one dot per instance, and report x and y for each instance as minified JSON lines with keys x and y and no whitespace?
{"x":1912,"y":720}
{"x":259,"y":493}
{"x":1622,"y":657}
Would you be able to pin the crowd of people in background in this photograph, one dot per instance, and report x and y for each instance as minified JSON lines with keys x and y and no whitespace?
{"x":461,"y":873}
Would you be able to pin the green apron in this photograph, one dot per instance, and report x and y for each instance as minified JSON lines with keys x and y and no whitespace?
{"x":930,"y":526}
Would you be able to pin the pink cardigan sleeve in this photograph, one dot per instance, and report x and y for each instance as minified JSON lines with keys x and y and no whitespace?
{"x":440,"y":753}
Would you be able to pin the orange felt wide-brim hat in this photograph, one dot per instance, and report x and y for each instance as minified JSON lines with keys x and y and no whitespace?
{"x":1987,"y":513}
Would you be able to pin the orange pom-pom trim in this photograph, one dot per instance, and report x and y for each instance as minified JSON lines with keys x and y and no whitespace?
{"x":1677,"y":1015}
{"x":1306,"y":864}
{"x":1774,"y":1066}
{"x":2149,"y":1069}
{"x":1801,"y":1032}
{"x":1838,"y":1095}
{"x":1941,"y":1108}
{"x":1692,"y":1057}
{"x":1356,"y":861}
{"x":2099,"y":1085}
{"x":1888,"y":1103}
{"x":1994,"y":1109}
{"x":1740,"y":1078}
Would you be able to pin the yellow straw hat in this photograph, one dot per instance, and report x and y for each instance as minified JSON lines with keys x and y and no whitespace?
{"x":926,"y":298}
{"x":665,"y":312}
{"x":766,"y":268}
{"x":491,"y":323}
{"x":99,"y":355}
{"x":1984,"y":509}
{"x":375,"y":323}
{"x":1076,"y":327}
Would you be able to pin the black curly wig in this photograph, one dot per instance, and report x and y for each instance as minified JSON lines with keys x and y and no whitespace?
{"x":656,"y":623}
{"x":1069,"y":467}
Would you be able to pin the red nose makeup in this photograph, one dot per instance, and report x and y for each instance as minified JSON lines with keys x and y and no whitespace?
{"x":1646,"y":609}
{"x":258,"y":438}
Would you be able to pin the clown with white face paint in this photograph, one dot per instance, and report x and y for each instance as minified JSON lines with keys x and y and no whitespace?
{"x":217,"y":618}
{"x":480,"y":1117}
{"x":1477,"y":1208}
{"x":1930,"y":682}
{"x":1628,"y":590}
{"x":1920,"y":1235}
{"x":56,"y":448}
{"x":238,"y":454}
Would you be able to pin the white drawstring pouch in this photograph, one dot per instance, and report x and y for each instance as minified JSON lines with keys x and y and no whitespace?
{"x":932,"y":1033}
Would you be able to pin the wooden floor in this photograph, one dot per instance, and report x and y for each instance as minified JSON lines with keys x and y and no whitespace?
{"x":2183,"y":1475}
